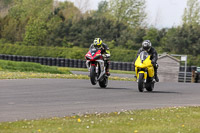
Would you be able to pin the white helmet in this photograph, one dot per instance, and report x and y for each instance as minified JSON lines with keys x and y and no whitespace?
{"x":146,"y":45}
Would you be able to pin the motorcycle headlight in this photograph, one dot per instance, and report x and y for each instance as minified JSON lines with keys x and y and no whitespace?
{"x":97,"y":57}
{"x":88,"y":58}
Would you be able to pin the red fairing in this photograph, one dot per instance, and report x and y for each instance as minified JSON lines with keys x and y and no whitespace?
{"x":89,"y":56}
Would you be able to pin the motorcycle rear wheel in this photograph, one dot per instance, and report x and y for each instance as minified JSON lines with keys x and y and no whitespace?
{"x":104,"y":82}
{"x":150,"y":86}
{"x":93,"y":76}
{"x":141,"y":82}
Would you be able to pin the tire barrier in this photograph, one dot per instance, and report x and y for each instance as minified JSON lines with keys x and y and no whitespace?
{"x":111,"y":65}
{"x":67,"y":61}
{"x":61,"y":62}
{"x":77,"y":63}
{"x":115,"y":66}
{"x":71,"y":63}
{"x":119,"y":66}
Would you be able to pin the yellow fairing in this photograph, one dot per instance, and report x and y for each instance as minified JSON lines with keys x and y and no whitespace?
{"x":146,"y":64}
{"x":151,"y":71}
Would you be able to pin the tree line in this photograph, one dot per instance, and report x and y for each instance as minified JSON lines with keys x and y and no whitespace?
{"x":120,"y":23}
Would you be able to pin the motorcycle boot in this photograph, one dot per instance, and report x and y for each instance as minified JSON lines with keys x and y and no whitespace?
{"x":107,"y":68}
{"x":107,"y":73}
{"x":156,"y":75}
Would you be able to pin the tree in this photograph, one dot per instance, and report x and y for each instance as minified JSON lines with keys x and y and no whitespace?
{"x":36,"y":32}
{"x":67,"y":11}
{"x":182,"y":40}
{"x":21,"y":13}
{"x":130,"y":12}
{"x":152,"y":35}
{"x":103,"y":9}
{"x":191,"y":14}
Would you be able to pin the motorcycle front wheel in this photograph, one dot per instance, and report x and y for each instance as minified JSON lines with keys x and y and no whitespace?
{"x":93,"y":76}
{"x":141,"y":82}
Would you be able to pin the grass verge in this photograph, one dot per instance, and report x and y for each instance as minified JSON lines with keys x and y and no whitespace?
{"x":86,"y":70}
{"x":30,"y":67}
{"x":26,"y":70}
{"x":29,"y":75}
{"x":166,"y":120}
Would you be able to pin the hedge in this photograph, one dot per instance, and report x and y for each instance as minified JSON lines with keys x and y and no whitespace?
{"x":122,"y":55}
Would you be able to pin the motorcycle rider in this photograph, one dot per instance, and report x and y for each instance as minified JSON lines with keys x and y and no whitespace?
{"x":98,"y":43}
{"x":147,"y":46}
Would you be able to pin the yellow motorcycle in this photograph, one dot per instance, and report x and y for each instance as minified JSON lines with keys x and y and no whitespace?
{"x":144,"y":72}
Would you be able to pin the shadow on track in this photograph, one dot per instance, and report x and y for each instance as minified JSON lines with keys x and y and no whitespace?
{"x":110,"y":88}
{"x":164,"y":92}
{"x":135,"y":90}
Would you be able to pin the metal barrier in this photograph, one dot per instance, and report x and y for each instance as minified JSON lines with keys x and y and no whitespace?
{"x":181,"y":77}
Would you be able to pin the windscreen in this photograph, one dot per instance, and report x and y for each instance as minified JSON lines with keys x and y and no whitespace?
{"x":93,"y":50}
{"x":143,"y":55}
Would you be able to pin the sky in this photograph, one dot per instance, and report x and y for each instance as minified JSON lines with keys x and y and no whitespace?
{"x":161,"y":13}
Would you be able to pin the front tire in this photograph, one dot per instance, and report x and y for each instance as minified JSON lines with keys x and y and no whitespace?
{"x":104,"y":82}
{"x":141,"y":82}
{"x":93,"y":76}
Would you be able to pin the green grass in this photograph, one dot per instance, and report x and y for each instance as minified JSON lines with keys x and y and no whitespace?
{"x":166,"y":120}
{"x":36,"y":67}
{"x":30,"y":67}
{"x":112,"y":71}
{"x":26,"y":70}
{"x":29,"y":75}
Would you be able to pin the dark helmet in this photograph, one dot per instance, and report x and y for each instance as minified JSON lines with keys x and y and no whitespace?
{"x":146,"y":45}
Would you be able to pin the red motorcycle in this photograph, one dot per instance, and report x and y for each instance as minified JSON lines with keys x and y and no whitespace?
{"x":96,"y":67}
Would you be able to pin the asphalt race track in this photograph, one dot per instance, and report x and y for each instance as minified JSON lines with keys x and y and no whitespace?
{"x":45,"y":98}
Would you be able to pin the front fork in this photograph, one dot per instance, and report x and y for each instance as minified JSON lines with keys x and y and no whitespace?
{"x":145,"y":76}
{"x":99,"y":67}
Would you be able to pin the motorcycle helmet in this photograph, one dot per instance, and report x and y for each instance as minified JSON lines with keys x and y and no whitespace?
{"x":97,"y":42}
{"x":146,"y":45}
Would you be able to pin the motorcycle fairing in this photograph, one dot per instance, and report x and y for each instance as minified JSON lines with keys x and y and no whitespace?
{"x":102,"y":68}
{"x":143,"y":63}
{"x":93,"y":54}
